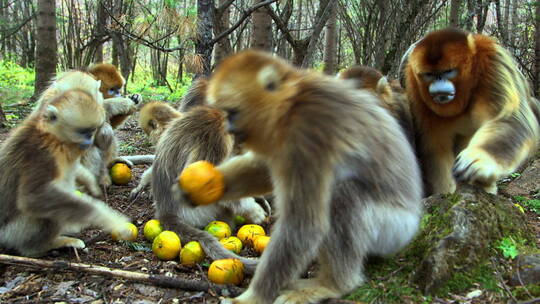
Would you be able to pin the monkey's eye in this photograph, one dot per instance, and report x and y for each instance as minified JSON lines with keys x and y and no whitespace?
{"x":271,"y":86}
{"x":450,"y":73}
{"x":232,"y":115}
{"x":114,"y":91}
{"x":428,"y":77}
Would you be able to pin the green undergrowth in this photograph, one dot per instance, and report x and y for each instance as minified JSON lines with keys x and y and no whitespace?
{"x":392,"y":280}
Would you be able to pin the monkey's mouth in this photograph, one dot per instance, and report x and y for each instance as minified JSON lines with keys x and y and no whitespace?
{"x":443,"y":98}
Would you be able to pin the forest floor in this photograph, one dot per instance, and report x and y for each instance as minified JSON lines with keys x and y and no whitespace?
{"x":23,"y":284}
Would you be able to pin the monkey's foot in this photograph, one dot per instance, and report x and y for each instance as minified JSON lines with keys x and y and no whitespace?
{"x":121,"y":160}
{"x":248,"y":297}
{"x":306,"y":291}
{"x":65,"y":241}
{"x":105,"y":180}
{"x":254,"y":213}
{"x":476,"y":166}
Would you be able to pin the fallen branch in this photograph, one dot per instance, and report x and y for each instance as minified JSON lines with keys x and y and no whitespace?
{"x":158,"y":280}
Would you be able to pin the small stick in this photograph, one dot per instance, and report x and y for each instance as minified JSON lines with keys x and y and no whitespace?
{"x":158,"y":280}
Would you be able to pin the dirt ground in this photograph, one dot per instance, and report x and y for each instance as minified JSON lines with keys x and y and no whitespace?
{"x":22,"y":284}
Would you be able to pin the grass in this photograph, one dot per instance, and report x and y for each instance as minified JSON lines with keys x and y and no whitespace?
{"x":532,"y":205}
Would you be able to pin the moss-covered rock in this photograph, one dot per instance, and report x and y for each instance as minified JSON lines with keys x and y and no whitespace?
{"x":459,"y":248}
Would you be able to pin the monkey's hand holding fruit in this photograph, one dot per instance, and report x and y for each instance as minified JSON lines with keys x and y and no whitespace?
{"x":200,"y":183}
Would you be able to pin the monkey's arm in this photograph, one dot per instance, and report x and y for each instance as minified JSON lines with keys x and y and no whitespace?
{"x":118,"y":110}
{"x":245,"y":175}
{"x":498,"y":147}
{"x":87,"y":179}
{"x":51,"y":200}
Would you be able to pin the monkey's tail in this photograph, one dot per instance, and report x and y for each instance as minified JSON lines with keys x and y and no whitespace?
{"x":212,"y":247}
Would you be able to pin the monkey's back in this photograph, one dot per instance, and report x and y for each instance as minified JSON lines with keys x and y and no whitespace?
{"x":374,"y":155}
{"x":19,"y":153}
{"x":198,"y":135}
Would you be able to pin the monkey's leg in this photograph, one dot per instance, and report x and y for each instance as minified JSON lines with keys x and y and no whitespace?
{"x":437,"y":160}
{"x":496,"y":150}
{"x":304,"y":209}
{"x":146,"y":179}
{"x":245,"y":175}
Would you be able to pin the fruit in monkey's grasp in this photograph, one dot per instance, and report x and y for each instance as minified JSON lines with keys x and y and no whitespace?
{"x":202,"y":183}
{"x":115,"y":234}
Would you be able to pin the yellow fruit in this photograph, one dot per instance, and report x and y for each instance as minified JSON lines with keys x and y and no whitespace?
{"x":166,"y":245}
{"x":218,"y":229}
{"x":247,"y":233}
{"x":260,"y":242}
{"x":115,"y":235}
{"x":120,"y":174}
{"x":226,"y":271}
{"x":232,"y":243}
{"x":79,"y":193}
{"x":202,"y":182}
{"x":151,"y":229}
{"x":192,"y":253}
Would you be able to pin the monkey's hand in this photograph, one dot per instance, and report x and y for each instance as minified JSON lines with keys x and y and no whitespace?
{"x":137,"y":98}
{"x":476,"y":166}
{"x":248,"y":297}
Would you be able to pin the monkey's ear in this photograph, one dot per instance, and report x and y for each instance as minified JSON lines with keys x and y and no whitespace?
{"x":269,"y":78}
{"x":51,"y":113}
{"x":382,"y":84}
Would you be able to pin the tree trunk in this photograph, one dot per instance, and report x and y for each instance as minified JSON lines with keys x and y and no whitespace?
{"x":537,"y":52}
{"x":330,"y":47}
{"x":203,"y":44}
{"x":261,"y":35}
{"x":46,"y":46}
{"x":454,"y":13}
{"x":223,"y":47}
{"x":468,"y":24}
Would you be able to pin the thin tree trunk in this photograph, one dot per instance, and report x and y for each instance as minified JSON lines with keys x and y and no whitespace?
{"x":330,"y":46}
{"x":222,"y":22}
{"x":203,"y":44}
{"x":454,"y":13}
{"x":46,"y":45}
{"x":537,"y":52}
{"x":261,"y":35}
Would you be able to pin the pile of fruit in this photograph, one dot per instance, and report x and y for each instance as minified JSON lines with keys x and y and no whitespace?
{"x":167,"y":245}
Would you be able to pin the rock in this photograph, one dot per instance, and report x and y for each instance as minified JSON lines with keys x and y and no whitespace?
{"x":528,"y":270}
{"x":458,"y":233}
{"x":527,"y":182}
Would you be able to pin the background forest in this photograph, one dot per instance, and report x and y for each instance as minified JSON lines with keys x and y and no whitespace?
{"x":161,"y":44}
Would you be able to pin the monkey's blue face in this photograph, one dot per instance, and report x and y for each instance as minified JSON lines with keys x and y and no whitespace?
{"x":441,"y":89}
{"x":114,"y":92}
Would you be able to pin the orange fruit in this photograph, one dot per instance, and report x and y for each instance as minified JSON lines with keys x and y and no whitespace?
{"x":166,"y":245}
{"x":192,"y":253}
{"x":151,"y":229}
{"x":226,"y":271}
{"x":202,"y":182}
{"x":120,"y":174}
{"x":247,"y":233}
{"x":232,"y":243}
{"x":115,"y":235}
{"x":218,"y":229}
{"x":260,"y":242}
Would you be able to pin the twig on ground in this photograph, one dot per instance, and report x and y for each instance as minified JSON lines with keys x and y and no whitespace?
{"x":158,"y":280}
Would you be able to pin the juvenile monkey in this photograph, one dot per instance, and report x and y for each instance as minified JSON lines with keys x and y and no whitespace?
{"x":340,"y":168}
{"x":390,"y":92}
{"x":195,"y":96}
{"x":40,"y":162}
{"x":472,"y":107}
{"x":199,"y":134}
{"x":154,"y":118}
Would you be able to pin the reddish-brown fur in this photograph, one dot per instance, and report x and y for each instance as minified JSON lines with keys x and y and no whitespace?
{"x":109,"y":75}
